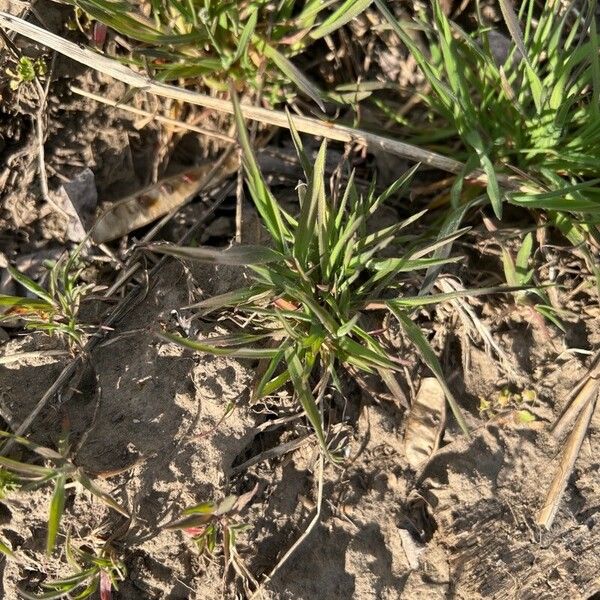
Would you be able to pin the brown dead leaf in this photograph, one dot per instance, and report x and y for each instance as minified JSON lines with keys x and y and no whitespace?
{"x":425,"y":423}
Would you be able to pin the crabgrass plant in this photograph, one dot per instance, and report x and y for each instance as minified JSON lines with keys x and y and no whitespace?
{"x":95,"y":571}
{"x":312,"y":289}
{"x":55,"y":309}
{"x":536,"y":113}
{"x":215,"y":40}
{"x":60,"y":470}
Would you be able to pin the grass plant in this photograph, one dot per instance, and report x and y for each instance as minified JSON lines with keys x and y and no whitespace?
{"x":534,"y":115}
{"x":60,"y":471}
{"x":213,"y":41}
{"x":54,"y":309}
{"x":316,"y":283}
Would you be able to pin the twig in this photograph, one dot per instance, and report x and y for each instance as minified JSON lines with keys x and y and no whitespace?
{"x":304,"y":535}
{"x":154,"y":116}
{"x":580,"y":397}
{"x":547,"y":513}
{"x":239,"y":203}
{"x":309,"y":125}
{"x":41,"y":140}
{"x":204,"y":183}
{"x":274,"y":452}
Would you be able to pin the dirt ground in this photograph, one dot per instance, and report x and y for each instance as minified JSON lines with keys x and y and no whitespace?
{"x":150,"y":420}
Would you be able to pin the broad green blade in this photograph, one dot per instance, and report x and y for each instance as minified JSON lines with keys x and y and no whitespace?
{"x":305,"y":233}
{"x":247,"y":32}
{"x":294,"y":74}
{"x":299,"y":371}
{"x":24,"y":468}
{"x":30,"y":285}
{"x":265,"y":203}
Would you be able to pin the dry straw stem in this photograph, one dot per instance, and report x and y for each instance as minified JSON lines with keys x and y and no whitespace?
{"x":583,"y":394}
{"x":149,"y":115}
{"x":309,"y":125}
{"x":545,"y":517}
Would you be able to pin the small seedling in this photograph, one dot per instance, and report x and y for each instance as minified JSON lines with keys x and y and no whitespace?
{"x":518,"y":274}
{"x":61,"y":471}
{"x":215,"y":527}
{"x":507,"y":401}
{"x":25,"y":71}
{"x":55,"y":309}
{"x":98,"y":571}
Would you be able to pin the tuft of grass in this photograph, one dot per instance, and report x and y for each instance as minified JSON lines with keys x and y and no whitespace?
{"x":214,"y":40}
{"x":536,"y":114}
{"x":313,"y":288}
{"x":92,"y":572}
{"x":55,"y":309}
{"x":60,"y":471}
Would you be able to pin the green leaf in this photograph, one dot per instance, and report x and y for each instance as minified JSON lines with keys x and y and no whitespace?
{"x":30,"y":285}
{"x":236,"y":255}
{"x":25,"y":468}
{"x":299,"y":370}
{"x":5,"y":549}
{"x":523,"y":256}
{"x":512,"y":24}
{"x":344,"y":14}
{"x":264,"y":201}
{"x":247,"y":32}
{"x":415,"y":335}
{"x":293,"y":73}
{"x":305,"y":231}
{"x":217,"y":351}
{"x":57,"y":507}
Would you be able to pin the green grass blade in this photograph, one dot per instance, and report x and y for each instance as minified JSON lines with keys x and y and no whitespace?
{"x":512,"y":24}
{"x":217,"y":351}
{"x":415,"y":335}
{"x":57,"y":507}
{"x":236,"y":255}
{"x":299,"y":371}
{"x":30,"y":285}
{"x":305,"y":233}
{"x":294,"y":74}
{"x":247,"y":32}
{"x":265,"y":203}
{"x":344,"y":14}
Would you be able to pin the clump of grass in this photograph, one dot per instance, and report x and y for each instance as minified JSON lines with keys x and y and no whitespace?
{"x":315,"y":286}
{"x":92,"y":572}
{"x":54,"y":310}
{"x":538,"y":112}
{"x":214,"y":40}
{"x":61,"y":471}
